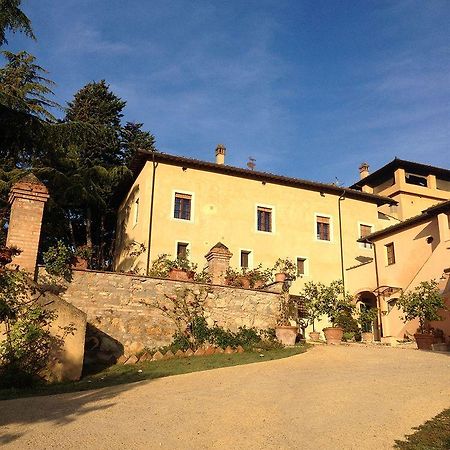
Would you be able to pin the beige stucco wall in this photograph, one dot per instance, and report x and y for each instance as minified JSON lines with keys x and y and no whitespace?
{"x":415,"y":261}
{"x":224,"y":209}
{"x":412,"y":199}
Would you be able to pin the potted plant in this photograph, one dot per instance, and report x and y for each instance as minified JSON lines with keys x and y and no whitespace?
{"x":366,"y":318}
{"x":423,"y":303}
{"x":311,"y":295}
{"x":182,"y":269}
{"x":258,"y":277}
{"x":334,"y":302}
{"x":284,"y":269}
{"x":81,"y":257}
{"x":284,"y":331}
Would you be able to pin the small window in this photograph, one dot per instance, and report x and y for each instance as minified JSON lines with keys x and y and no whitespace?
{"x":264,"y":219}
{"x":136,"y":211}
{"x":245,"y":258}
{"x":301,"y":263}
{"x":390,"y":253}
{"x":416,"y":180}
{"x":364,"y":231}
{"x":323,"y":228}
{"x":182,"y":250}
{"x":182,"y":208}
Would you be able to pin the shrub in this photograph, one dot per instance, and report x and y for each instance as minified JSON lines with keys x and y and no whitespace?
{"x":287,"y":267}
{"x":58,"y":259}
{"x":423,"y":303}
{"x":25,"y":351}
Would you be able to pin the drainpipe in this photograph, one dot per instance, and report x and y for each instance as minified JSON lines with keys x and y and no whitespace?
{"x":341,"y":198}
{"x":150,"y":226}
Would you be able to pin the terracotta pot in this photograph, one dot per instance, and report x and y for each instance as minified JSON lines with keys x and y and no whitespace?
{"x":367,"y":336}
{"x":280,"y":277}
{"x":314,"y":336}
{"x":178,"y":275}
{"x":258,"y":284}
{"x":333,"y":335}
{"x":245,"y":282}
{"x":79,"y":263}
{"x":286,"y":334}
{"x":424,"y":341}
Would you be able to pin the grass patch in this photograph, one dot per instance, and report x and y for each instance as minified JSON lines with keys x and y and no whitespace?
{"x":121,"y":374}
{"x":434,"y":434}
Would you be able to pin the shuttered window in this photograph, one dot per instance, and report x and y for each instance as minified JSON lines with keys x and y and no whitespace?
{"x":390,"y":253}
{"x":323,"y":228}
{"x":245,"y":254}
{"x":301,"y":266}
{"x":182,"y":250}
{"x":264,"y":219}
{"x":182,"y":208}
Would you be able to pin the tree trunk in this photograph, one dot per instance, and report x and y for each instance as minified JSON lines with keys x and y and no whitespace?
{"x":71,"y":233}
{"x":89,"y":227}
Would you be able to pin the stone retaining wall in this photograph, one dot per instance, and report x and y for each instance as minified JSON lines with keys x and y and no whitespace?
{"x":120,"y":319}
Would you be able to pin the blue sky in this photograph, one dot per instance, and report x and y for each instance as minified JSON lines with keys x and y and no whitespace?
{"x":309,"y":88}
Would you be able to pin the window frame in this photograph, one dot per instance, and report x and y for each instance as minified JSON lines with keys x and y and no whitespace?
{"x":365,"y":245}
{"x":188,"y":247}
{"x":316,"y":216}
{"x":265,"y":206}
{"x":172,"y":211}
{"x":389,"y":245}
{"x":250,"y":258}
{"x":305,"y":266}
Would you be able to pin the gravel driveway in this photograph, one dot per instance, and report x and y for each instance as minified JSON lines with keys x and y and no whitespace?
{"x":329,"y":398}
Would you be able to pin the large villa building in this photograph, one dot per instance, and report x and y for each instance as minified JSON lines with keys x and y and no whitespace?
{"x":382,"y":235}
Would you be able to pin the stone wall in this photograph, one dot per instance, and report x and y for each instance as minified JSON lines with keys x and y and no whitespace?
{"x":121,"y":320}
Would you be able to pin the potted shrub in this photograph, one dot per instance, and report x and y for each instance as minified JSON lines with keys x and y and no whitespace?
{"x":259,"y":277}
{"x":284,"y":269}
{"x":284,"y":331}
{"x":81,"y":257}
{"x":182,"y":269}
{"x":311,"y":295}
{"x":366,"y":318}
{"x":423,"y":303}
{"x":334,"y":302}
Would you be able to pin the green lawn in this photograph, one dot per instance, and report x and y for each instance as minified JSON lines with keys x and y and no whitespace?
{"x":432,"y":435}
{"x":120,"y":374}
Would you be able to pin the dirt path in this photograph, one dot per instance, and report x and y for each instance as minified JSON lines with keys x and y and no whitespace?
{"x":328,"y":398}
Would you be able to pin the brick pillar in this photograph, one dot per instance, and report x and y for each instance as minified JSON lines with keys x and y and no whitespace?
{"x":218,"y":262}
{"x":27,"y":199}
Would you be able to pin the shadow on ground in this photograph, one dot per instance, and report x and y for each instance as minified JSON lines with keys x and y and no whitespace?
{"x":55,"y":409}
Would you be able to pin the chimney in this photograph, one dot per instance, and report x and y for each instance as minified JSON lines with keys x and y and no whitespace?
{"x":220,"y":154}
{"x":363,"y":170}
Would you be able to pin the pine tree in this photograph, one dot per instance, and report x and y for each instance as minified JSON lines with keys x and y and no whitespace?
{"x":23,"y":88}
{"x":133,"y":139}
{"x":13,"y":19}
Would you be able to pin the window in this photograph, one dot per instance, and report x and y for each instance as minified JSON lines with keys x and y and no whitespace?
{"x":182,"y":250}
{"x":323,"y":228}
{"x":390,"y":253}
{"x":136,"y":211}
{"x":182,"y":208}
{"x":301,"y":266}
{"x":264,"y":219}
{"x":364,"y":231}
{"x":416,"y":179}
{"x":245,"y":259}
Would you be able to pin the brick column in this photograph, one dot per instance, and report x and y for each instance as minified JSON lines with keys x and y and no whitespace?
{"x":218,"y":262}
{"x":27,"y":199}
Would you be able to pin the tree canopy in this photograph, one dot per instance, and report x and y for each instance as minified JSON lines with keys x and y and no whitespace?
{"x":13,"y":19}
